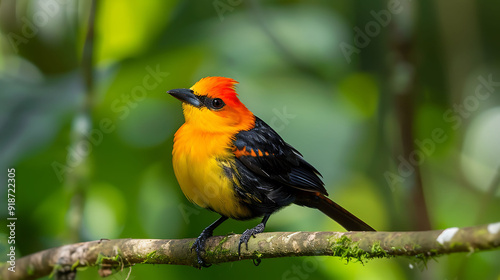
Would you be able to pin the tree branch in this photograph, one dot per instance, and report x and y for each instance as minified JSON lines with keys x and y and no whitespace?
{"x":119,"y":253}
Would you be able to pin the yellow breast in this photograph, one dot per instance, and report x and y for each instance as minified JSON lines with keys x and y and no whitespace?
{"x":198,"y":161}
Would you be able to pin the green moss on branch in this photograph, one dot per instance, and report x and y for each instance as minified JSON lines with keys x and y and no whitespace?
{"x":350,"y":246}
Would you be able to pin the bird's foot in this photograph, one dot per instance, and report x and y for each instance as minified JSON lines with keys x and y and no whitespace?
{"x":249,"y":233}
{"x":199,"y":246}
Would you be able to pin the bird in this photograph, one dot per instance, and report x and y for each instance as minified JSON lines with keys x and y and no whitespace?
{"x":231,"y":162}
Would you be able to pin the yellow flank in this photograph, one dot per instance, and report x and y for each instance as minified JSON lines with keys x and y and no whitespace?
{"x":197,"y":166}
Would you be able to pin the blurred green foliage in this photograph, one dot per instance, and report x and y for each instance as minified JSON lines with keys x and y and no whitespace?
{"x":338,"y":106}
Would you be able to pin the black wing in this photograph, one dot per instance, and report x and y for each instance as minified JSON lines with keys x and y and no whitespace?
{"x":264,"y":152}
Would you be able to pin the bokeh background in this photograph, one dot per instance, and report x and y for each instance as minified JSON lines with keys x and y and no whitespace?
{"x":395,"y":102}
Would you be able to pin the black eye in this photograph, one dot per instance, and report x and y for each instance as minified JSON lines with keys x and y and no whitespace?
{"x":217,"y":103}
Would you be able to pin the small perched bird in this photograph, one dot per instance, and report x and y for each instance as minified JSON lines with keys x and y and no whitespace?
{"x":231,"y":162}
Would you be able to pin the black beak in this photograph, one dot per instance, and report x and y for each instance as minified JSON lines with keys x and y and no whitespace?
{"x":185,"y":95}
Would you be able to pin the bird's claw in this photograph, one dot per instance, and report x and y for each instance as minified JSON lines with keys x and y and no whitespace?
{"x":245,"y":237}
{"x":199,"y":247}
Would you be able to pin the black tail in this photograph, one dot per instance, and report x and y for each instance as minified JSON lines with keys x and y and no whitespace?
{"x":332,"y":210}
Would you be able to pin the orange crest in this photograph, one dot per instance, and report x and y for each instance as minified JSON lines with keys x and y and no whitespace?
{"x":233,"y":117}
{"x":220,"y":87}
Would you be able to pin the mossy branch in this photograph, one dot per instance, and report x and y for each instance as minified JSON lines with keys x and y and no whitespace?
{"x":116,"y":254}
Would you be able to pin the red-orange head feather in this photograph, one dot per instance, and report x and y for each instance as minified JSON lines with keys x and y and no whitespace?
{"x":233,"y":116}
{"x":219,"y":87}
